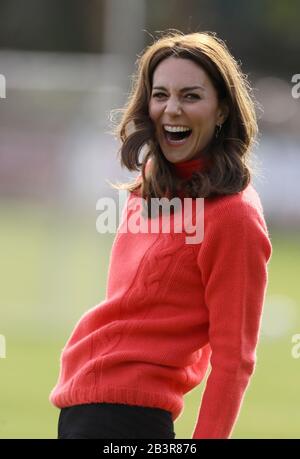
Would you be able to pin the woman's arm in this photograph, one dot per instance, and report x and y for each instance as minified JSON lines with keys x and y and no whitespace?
{"x":233,"y":262}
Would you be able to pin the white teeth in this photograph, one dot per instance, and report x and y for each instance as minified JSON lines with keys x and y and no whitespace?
{"x":176,"y":128}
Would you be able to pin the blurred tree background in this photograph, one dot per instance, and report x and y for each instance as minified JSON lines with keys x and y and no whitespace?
{"x":66,"y":64}
{"x":265,"y":33}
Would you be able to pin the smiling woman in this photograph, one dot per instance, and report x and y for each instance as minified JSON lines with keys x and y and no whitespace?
{"x":188,"y":82}
{"x":183,"y":118}
{"x":173,"y":307}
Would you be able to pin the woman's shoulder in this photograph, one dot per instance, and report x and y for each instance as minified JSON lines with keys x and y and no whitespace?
{"x":245,"y":203}
{"x":239,"y":219}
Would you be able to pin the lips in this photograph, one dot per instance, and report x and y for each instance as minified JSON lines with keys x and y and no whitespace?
{"x":171,"y":140}
{"x":175,"y":126}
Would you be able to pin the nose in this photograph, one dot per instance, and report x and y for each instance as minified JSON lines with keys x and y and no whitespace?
{"x":173,"y":106}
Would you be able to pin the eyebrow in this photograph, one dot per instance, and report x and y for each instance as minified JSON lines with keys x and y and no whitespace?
{"x":188,"y":88}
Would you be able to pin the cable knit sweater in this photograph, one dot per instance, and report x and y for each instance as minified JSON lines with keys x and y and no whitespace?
{"x":172,"y":311}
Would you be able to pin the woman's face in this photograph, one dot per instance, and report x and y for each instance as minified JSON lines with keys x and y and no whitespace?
{"x":172,"y":105}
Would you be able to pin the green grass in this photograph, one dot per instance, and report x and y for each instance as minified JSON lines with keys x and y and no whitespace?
{"x":54,"y":267}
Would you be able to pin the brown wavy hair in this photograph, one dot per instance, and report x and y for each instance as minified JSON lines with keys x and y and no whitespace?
{"x":230,"y":168}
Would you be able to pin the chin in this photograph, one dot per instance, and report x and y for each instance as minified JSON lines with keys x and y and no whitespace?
{"x":176,"y":158}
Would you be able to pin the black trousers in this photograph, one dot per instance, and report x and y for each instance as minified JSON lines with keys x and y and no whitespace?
{"x":111,"y":420}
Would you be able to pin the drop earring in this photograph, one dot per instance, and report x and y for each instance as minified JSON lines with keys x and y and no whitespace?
{"x":218,"y":130}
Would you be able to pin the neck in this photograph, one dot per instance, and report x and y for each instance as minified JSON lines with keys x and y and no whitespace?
{"x":185,"y":169}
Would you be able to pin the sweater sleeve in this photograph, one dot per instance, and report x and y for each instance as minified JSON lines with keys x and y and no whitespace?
{"x":233,"y":261}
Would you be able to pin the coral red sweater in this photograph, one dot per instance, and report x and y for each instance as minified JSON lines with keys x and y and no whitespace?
{"x":170,"y":310}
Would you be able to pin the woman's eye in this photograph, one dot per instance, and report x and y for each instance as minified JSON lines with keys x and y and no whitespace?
{"x":158,"y":94}
{"x":192,"y":96}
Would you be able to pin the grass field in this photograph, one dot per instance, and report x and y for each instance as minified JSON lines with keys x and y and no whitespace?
{"x":54,"y":267}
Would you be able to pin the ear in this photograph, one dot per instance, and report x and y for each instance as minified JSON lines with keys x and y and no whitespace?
{"x":223,"y":112}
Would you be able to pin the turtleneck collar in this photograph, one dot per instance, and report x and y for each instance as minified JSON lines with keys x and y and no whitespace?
{"x":185,"y":169}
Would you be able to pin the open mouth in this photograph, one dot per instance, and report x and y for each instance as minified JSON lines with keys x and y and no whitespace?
{"x":177,"y":138}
